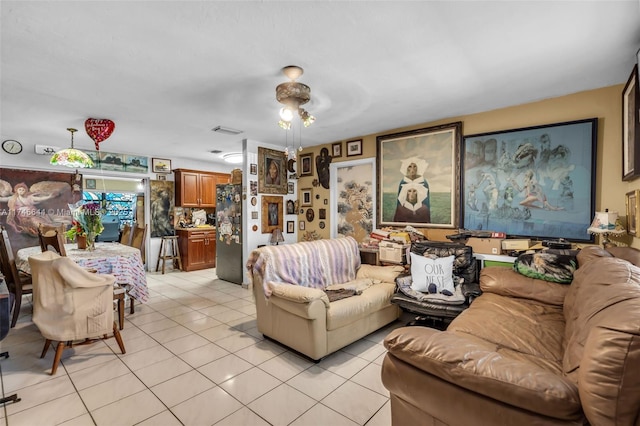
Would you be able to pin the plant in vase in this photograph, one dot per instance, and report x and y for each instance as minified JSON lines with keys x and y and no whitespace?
{"x":78,"y":234}
{"x":87,"y":220}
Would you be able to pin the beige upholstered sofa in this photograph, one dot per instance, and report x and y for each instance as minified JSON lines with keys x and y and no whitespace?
{"x":292,"y":285}
{"x":528,"y":352}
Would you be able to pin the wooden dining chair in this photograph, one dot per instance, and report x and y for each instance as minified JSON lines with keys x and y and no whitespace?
{"x":138,"y":238}
{"x":19,"y":283}
{"x":71,"y":304}
{"x":52,"y":238}
{"x":125,"y":237}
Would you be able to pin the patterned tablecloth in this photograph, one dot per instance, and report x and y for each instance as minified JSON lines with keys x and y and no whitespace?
{"x":124,"y":262}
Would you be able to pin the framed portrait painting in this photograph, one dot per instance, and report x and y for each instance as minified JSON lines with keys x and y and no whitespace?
{"x":271,"y":214}
{"x":419,"y":176}
{"x":272,"y":171}
{"x":534,"y":182}
{"x":631,"y":128}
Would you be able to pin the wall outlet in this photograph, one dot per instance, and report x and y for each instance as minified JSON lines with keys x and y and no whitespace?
{"x":46,"y":149}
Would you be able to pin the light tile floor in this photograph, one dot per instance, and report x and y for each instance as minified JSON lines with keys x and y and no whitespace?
{"x":194,"y":357}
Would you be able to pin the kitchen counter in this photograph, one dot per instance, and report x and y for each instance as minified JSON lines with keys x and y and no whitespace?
{"x":200,"y":228}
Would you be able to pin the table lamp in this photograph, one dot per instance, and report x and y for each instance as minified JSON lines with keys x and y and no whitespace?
{"x":276,"y":237}
{"x":606,"y":223}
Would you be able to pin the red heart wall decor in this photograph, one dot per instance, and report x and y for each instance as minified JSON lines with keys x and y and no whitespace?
{"x":99,"y":129}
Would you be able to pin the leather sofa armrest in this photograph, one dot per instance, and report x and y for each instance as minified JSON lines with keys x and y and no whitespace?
{"x":298,"y":294}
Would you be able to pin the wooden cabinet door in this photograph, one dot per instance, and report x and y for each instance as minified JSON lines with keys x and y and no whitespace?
{"x":207,"y":190}
{"x":197,"y":250}
{"x":210,"y":248}
{"x":188,"y":193}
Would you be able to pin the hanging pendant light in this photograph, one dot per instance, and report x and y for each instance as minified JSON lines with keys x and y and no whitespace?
{"x":71,"y":157}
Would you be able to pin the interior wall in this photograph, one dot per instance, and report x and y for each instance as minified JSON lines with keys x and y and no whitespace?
{"x":603,"y":103}
{"x":253,"y":238}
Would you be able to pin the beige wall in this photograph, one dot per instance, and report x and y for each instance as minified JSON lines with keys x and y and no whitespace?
{"x":604,"y":103}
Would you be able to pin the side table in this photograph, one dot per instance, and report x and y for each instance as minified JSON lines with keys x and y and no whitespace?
{"x":369,"y":256}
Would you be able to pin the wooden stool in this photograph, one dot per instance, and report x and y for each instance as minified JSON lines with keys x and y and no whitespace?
{"x":174,"y":252}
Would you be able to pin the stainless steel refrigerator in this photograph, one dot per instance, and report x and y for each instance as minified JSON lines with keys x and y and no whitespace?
{"x":229,"y":233}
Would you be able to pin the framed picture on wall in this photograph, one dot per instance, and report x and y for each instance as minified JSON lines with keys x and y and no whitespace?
{"x":160,"y":165}
{"x":354,"y":148}
{"x":307,"y":197}
{"x":632,"y":211}
{"x":419,"y":177}
{"x":272,"y":171}
{"x":631,"y":128}
{"x":336,"y":150}
{"x":306,"y":164}
{"x":535,"y":182}
{"x":352,"y":211}
{"x":291,"y":226}
{"x":272,"y":213}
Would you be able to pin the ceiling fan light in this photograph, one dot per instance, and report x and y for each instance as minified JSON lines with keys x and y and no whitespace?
{"x":286,"y":125}
{"x":286,"y":114}
{"x":308,"y":119}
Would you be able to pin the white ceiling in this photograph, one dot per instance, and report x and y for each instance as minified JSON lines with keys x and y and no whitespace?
{"x":167,"y":72}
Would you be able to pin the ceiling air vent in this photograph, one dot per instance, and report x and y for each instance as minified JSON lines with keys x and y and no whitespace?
{"x":226,"y":130}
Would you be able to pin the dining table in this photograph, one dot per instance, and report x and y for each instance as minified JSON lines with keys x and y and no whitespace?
{"x":122,"y":261}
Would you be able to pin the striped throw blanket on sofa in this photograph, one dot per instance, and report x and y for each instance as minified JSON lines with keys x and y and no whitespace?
{"x":316,"y":264}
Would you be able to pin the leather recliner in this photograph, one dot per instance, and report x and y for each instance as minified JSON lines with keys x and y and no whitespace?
{"x":465,"y":268}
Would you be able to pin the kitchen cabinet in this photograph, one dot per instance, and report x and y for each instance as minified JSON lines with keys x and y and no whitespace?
{"x":196,"y":188}
{"x":197,"y":248}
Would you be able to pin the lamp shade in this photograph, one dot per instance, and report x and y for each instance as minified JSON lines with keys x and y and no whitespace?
{"x":603,"y":222}
{"x":606,"y":223}
{"x":276,"y":236}
{"x":71,"y":157}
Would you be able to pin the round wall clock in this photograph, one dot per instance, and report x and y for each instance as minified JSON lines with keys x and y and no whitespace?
{"x":11,"y":146}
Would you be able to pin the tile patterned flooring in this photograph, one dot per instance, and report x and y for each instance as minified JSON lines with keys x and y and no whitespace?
{"x":194,"y":357}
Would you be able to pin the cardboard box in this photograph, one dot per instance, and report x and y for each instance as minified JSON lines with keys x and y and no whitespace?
{"x":486,"y":245}
{"x":519,"y":244}
{"x":393,"y":252}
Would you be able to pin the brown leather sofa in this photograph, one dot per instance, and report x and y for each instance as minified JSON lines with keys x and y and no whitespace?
{"x":528,"y":352}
